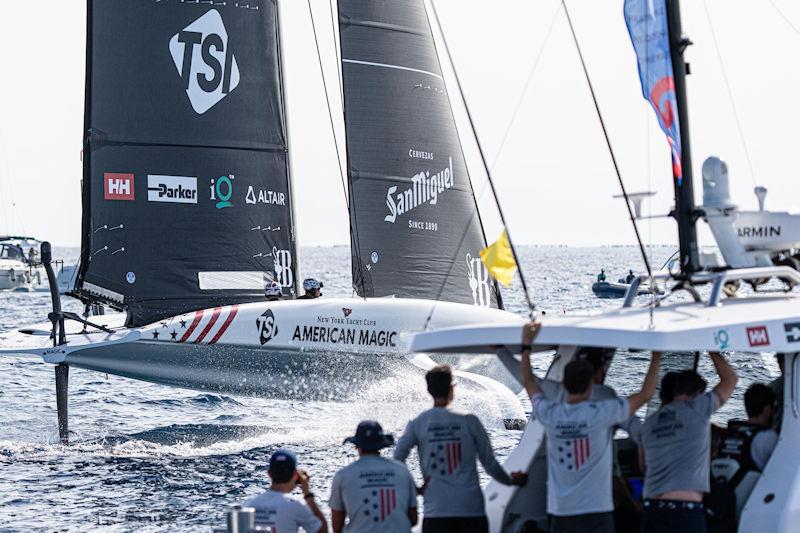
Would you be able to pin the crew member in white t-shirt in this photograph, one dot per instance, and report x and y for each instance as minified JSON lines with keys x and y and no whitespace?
{"x":373,"y":493}
{"x":280,"y":511}
{"x":448,"y":444}
{"x":579,"y":441}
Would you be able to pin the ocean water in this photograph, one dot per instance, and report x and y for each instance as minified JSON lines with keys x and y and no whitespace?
{"x":152,"y":458}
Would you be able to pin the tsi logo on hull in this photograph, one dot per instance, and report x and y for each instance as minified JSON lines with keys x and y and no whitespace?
{"x":267,"y":326}
{"x":175,"y":189}
{"x":204,"y":61}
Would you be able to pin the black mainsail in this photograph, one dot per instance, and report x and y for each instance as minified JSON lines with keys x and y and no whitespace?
{"x":186,"y":197}
{"x":415,"y":228}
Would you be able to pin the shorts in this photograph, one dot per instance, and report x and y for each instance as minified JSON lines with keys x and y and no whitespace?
{"x":583,"y":523}
{"x":668,"y":516}
{"x":456,"y":524}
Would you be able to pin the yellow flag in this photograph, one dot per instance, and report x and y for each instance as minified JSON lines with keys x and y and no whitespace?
{"x":499,"y":260}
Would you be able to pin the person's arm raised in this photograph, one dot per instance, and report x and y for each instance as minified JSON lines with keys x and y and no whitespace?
{"x":529,"y":333}
{"x":637,"y":400}
{"x":727,"y":377}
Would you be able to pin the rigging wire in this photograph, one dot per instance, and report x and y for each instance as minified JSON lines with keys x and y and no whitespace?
{"x":730,"y":93}
{"x":531,"y":306}
{"x":784,"y":17}
{"x":328,"y":102}
{"x":525,"y":87}
{"x":608,"y":142}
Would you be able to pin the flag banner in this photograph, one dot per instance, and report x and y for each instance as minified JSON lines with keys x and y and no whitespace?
{"x":499,"y":260}
{"x":647,"y":25}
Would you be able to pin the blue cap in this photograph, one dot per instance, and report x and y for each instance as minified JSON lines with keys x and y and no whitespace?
{"x":282,"y":463}
{"x":370,"y":437}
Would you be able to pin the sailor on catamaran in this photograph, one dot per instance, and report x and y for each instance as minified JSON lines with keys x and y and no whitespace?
{"x":312,"y":288}
{"x":579,"y":441}
{"x":273,"y":291}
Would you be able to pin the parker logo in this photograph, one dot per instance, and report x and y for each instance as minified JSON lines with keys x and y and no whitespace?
{"x":792,"y":330}
{"x":175,"y":189}
{"x":118,"y":186}
{"x":267,"y":326}
{"x":346,"y":311}
{"x":758,"y":336}
{"x":204,"y":61}
{"x":425,"y":188}
{"x":478,"y":281}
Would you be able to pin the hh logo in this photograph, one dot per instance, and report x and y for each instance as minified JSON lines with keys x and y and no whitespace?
{"x":758,"y":336}
{"x":204,"y":61}
{"x":792,"y":330}
{"x":478,"y":281}
{"x":267,"y":326}
{"x":118,"y":186}
{"x":283,"y":266}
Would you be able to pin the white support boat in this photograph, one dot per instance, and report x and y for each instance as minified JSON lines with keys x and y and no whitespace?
{"x":726,"y":320}
{"x":213,"y":172}
{"x":18,"y":269}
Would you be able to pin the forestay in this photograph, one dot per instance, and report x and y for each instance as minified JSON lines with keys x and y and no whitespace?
{"x":186,"y":199}
{"x":415,"y":228}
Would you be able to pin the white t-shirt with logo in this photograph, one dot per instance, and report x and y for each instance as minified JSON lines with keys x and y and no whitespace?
{"x":375,"y":493}
{"x":283,"y":512}
{"x":579,"y":453}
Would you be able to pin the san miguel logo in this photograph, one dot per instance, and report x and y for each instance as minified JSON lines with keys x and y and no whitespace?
{"x":425,"y":188}
{"x":282,"y":261}
{"x":758,"y":336}
{"x":204,"y":61}
{"x":267,"y":326}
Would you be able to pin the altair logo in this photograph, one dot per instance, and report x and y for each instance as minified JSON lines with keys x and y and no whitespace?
{"x":425,"y":188}
{"x":204,"y":61}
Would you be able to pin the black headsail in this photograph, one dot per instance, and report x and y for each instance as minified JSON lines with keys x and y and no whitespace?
{"x":415,"y":228}
{"x":186,"y":198}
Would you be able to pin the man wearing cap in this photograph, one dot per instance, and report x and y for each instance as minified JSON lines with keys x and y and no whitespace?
{"x":448,"y":444}
{"x":273,"y":291}
{"x":277,"y":509}
{"x":374,"y":493}
{"x":312,"y":288}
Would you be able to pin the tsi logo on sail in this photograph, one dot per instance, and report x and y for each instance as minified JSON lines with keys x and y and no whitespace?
{"x":204,"y":61}
{"x":425,"y":188}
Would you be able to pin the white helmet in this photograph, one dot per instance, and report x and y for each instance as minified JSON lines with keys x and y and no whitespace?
{"x":310,"y":284}
{"x":273,"y":288}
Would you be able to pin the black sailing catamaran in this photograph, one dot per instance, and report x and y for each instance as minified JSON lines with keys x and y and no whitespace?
{"x":188,"y":207}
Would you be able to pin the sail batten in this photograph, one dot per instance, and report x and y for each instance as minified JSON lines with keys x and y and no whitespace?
{"x":186,"y":193}
{"x":416,"y":232}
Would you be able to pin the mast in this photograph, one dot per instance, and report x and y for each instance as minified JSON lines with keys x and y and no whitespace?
{"x":685,"y":212}
{"x":287,"y":149}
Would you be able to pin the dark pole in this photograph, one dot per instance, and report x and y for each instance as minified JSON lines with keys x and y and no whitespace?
{"x":62,"y":401}
{"x":685,"y":213}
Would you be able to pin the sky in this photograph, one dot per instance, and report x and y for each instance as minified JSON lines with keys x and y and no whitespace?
{"x":525,"y":90}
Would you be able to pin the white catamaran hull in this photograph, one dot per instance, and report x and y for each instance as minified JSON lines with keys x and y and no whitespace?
{"x":312,"y":349}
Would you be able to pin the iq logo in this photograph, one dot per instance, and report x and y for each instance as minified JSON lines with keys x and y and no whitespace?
{"x":222,"y":190}
{"x":204,"y":61}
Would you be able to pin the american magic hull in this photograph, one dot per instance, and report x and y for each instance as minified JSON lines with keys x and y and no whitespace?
{"x":326,"y":349}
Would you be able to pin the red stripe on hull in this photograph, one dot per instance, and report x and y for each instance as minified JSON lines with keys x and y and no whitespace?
{"x":224,"y":327}
{"x":214,"y":317}
{"x":198,"y":316}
